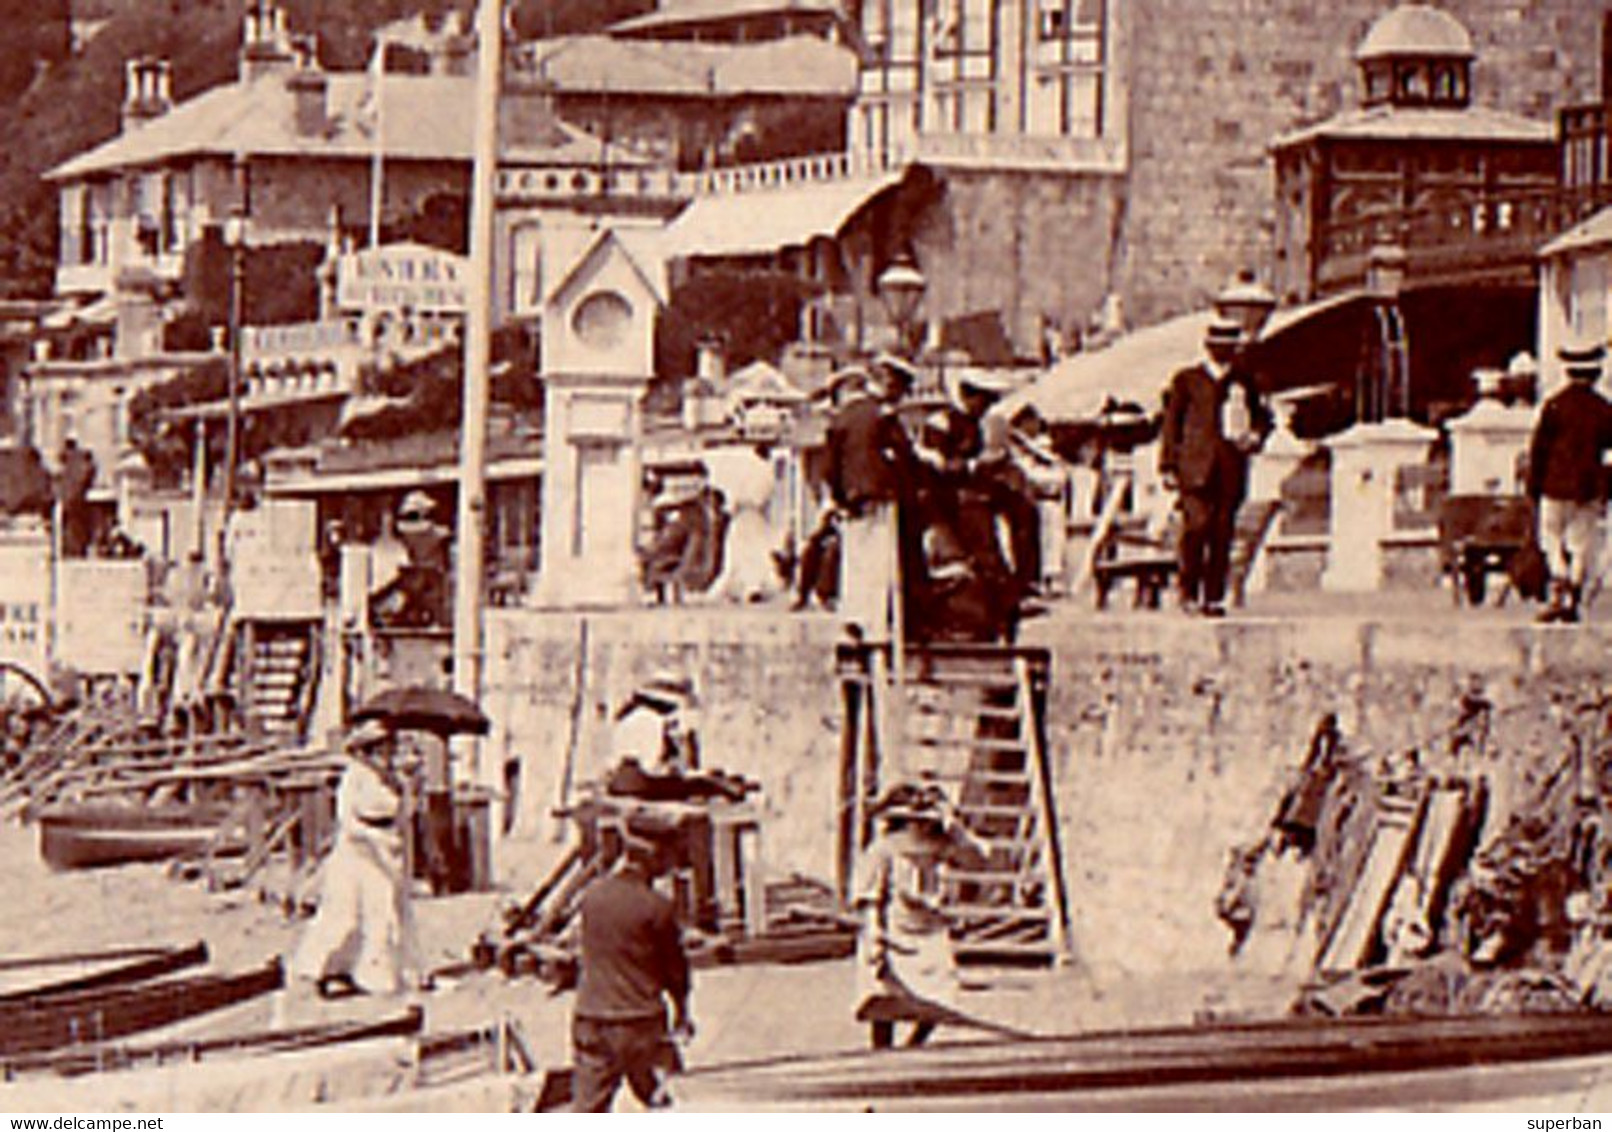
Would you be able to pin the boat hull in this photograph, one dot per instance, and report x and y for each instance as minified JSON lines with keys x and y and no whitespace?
{"x":1338,"y":1064}
{"x":87,"y":837}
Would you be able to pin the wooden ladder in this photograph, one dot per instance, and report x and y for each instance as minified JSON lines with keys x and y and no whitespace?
{"x":971,"y":721}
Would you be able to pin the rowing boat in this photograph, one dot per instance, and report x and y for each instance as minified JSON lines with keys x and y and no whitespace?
{"x":104,"y":1013}
{"x":92,"y":835}
{"x":1378,"y":1063}
{"x":36,"y":978}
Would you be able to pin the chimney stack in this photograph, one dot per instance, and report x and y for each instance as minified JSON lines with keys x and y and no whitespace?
{"x":309,"y":89}
{"x":148,"y":90}
{"x":265,"y":44}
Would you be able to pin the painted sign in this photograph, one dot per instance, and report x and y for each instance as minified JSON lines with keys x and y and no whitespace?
{"x":25,"y":598}
{"x":402,"y":276}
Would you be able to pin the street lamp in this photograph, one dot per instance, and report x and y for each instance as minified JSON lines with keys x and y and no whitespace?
{"x":1246,"y":302}
{"x":901,"y":288}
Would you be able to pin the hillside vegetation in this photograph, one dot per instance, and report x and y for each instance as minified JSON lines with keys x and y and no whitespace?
{"x":55,"y":103}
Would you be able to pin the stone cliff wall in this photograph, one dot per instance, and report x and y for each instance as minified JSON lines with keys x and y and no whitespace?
{"x":1171,"y":739}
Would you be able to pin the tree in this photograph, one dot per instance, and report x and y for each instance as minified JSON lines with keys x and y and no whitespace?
{"x":754,"y":313}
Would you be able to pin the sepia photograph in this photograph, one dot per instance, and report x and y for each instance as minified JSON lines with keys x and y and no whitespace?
{"x":805,"y":556}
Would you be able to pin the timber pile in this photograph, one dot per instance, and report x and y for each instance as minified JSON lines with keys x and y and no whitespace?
{"x":1419,"y":899}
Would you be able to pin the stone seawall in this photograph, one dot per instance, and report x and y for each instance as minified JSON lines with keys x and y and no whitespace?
{"x":1171,"y":739}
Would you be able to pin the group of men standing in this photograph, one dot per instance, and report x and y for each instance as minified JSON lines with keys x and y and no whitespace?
{"x":939,"y":535}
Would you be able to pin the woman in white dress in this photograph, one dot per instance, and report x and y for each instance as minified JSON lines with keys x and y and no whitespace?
{"x":745,"y":479}
{"x":363,"y":935}
{"x":905,"y":963}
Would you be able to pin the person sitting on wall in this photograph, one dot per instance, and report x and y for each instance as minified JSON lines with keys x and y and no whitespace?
{"x":418,"y":596}
{"x":818,"y":572}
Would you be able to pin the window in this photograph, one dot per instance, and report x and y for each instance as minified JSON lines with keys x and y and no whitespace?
{"x":75,"y":234}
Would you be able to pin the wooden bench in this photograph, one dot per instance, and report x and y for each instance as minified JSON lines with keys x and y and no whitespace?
{"x":1479,"y":535}
{"x":1152,"y":573}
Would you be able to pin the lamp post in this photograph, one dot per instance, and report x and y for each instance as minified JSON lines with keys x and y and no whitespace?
{"x":235,"y":241}
{"x":901,"y":289}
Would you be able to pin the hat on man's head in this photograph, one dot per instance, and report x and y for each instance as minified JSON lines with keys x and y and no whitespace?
{"x":896,"y":369}
{"x":416,"y":505}
{"x":1522,"y":364}
{"x":669,"y":686}
{"x":1582,"y":359}
{"x":851,"y":377}
{"x":987,"y":383}
{"x":1223,"y":332}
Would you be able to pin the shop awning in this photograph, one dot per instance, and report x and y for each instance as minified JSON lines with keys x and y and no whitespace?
{"x":1135,"y":369}
{"x":219,"y":410}
{"x":402,"y":478}
{"x":761,"y":221}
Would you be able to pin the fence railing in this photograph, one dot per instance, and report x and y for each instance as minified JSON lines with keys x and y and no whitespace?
{"x":1501,"y":230}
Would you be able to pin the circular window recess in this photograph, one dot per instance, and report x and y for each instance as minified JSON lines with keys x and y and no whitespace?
{"x":602,"y":319}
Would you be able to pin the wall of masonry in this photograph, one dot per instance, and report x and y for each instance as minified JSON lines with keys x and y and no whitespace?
{"x":1171,"y":739}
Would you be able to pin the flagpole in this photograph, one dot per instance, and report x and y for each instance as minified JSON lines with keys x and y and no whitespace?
{"x":467,"y":606}
{"x":377,"y":161}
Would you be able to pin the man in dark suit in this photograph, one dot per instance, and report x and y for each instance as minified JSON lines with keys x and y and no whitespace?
{"x":1213,"y":420}
{"x":870,"y":462}
{"x":1567,"y":477}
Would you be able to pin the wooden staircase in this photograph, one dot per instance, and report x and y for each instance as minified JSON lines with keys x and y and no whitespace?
{"x":278,"y":675}
{"x":969,"y":719}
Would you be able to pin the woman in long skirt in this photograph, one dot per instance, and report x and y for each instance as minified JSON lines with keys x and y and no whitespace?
{"x":363,"y":935}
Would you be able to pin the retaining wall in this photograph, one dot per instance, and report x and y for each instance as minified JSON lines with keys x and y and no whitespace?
{"x":1171,"y":738}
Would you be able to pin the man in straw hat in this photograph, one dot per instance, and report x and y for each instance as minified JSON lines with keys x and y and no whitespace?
{"x":632,"y":965}
{"x":1567,"y":477}
{"x":1213,"y":420}
{"x":362,"y":940}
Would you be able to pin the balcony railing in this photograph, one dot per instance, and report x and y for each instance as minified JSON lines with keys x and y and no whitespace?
{"x":1497,"y":234}
{"x":821,"y":168}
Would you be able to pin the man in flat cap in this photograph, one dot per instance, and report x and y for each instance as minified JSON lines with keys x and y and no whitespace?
{"x":1567,"y":477}
{"x":1213,"y":420}
{"x":632,"y":966}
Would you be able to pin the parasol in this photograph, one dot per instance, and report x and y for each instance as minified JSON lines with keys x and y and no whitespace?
{"x":424,"y":709}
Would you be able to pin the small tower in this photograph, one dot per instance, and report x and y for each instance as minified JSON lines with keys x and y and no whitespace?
{"x":598,"y":360}
{"x":1416,"y":55}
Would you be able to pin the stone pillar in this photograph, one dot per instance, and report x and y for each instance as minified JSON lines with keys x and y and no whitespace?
{"x":1365,"y":463}
{"x":1282,"y":454}
{"x":1486,"y":444}
{"x":591,"y":476}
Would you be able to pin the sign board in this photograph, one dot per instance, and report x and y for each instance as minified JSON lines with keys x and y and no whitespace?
{"x":398,"y":276}
{"x":24,"y":595}
{"x":25,"y":598}
{"x":274,"y":561}
{"x":100,"y":624}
